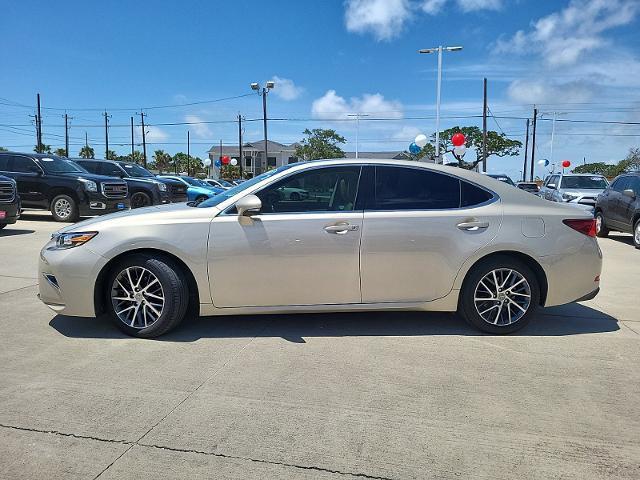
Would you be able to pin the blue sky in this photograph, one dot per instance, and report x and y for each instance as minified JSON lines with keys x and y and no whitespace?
{"x":579,"y":58}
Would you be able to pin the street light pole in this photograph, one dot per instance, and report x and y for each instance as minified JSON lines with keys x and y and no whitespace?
{"x":264,"y":91}
{"x":439,"y":50}
{"x":357,"y":117}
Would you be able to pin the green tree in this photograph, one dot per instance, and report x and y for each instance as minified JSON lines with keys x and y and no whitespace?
{"x":597,"y":168}
{"x":61,"y":152}
{"x":320,"y":143}
{"x":42,"y":148}
{"x":162,"y":161}
{"x":632,"y":161}
{"x":498,"y":144}
{"x":195,"y":164}
{"x":2,"y":149}
{"x":87,"y":152}
{"x":135,"y":158}
{"x":111,"y":155}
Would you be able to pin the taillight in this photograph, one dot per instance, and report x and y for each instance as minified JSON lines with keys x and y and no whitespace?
{"x":586,"y":226}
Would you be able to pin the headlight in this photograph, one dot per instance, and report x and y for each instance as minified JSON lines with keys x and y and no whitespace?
{"x":70,"y":240}
{"x":567,"y":197}
{"x":89,"y":185}
{"x":162,"y":186}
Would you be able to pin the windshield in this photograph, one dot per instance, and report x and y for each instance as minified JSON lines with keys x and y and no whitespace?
{"x":584,"y":183}
{"x":195,"y":182}
{"x":503,"y":178}
{"x":221,"y":197}
{"x":224,"y":183}
{"x":55,"y":165}
{"x":136,"y":170}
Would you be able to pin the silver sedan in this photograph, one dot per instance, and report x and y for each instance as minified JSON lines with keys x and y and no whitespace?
{"x":367,"y":235}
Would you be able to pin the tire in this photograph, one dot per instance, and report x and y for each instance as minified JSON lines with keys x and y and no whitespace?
{"x":473,"y":289}
{"x":140,"y":199}
{"x":201,"y":199}
{"x":601,"y":229}
{"x":2,"y":225}
{"x":636,"y":234}
{"x":141,"y":314}
{"x":64,"y":209}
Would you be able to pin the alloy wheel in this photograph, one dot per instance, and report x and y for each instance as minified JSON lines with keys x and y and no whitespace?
{"x":636,"y":233}
{"x":598,"y":223}
{"x":502,"y":296}
{"x":139,"y":200}
{"x":62,"y":208}
{"x":137,"y":297}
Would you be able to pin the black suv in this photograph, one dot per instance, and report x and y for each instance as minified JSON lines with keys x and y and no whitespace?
{"x":144,"y":187}
{"x":9,"y":202}
{"x":618,"y":207}
{"x":53,"y":183}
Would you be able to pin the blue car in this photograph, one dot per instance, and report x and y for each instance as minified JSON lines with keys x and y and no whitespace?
{"x":197,"y":190}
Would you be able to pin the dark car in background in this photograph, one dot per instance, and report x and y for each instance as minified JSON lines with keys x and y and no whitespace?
{"x":618,"y":207}
{"x":531,"y":187}
{"x":502,"y":177}
{"x":144,"y":188}
{"x":9,"y":202}
{"x":57,"y":184}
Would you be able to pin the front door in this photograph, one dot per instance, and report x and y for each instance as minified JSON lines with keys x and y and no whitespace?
{"x":420,"y":228}
{"x":29,"y":177}
{"x":301,"y":249}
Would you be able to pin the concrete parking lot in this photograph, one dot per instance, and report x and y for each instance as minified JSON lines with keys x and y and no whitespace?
{"x":375,"y":395}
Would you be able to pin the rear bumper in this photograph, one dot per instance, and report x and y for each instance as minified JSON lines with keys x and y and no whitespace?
{"x":589,"y":296}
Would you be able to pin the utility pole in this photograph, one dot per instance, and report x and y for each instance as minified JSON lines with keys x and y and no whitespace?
{"x":526,"y":152}
{"x":66,"y":135}
{"x":106,"y":135}
{"x":264,"y":121}
{"x":221,"y":159}
{"x":144,"y":140}
{"x":484,"y":127}
{"x":39,"y":124}
{"x":533,"y":141}
{"x":86,"y":141}
{"x":240,"y":154}
{"x":188,"y":154}
{"x":132,"y":150}
{"x":357,"y":117}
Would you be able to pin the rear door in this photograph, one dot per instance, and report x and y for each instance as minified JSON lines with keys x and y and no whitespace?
{"x":418,"y":230}
{"x":627,"y":204}
{"x":614,"y":202}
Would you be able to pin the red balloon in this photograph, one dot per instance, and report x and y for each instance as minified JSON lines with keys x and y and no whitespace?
{"x":458,"y":140}
{"x":566,"y":163}
{"x":225,"y":160}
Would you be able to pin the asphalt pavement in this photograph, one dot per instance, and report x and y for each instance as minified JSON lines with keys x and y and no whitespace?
{"x":320,"y":396}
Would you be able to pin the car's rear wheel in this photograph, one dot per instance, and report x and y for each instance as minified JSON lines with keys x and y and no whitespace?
{"x":499,"y":295}
{"x":601,"y":229}
{"x":64,"y":209}
{"x":2,"y":225}
{"x":636,"y":234}
{"x":146,"y":296}
{"x":140,"y":199}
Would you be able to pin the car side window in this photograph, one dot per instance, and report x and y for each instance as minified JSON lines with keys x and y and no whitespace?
{"x":90,"y":166}
{"x":110,"y":170}
{"x":620,"y":184}
{"x":553,"y":179}
{"x":4,"y":163}
{"x":403,"y":188}
{"x":471,"y":195}
{"x":23,"y":165}
{"x":634,"y":184}
{"x":327,"y":189}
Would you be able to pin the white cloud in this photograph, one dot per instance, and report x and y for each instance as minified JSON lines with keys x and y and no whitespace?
{"x":407,"y":133}
{"x":155,"y":134}
{"x":331,"y":105}
{"x":543,"y":91}
{"x":200,"y":130}
{"x":286,"y":89}
{"x":384,"y":18}
{"x":564,"y":37}
{"x":434,"y":7}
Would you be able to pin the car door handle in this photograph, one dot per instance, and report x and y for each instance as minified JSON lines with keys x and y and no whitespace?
{"x":341,"y":228}
{"x":473,"y":226}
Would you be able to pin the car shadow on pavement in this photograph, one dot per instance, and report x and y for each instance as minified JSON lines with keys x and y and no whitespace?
{"x":557,"y":321}
{"x":12,"y":232}
{"x":628,"y":239}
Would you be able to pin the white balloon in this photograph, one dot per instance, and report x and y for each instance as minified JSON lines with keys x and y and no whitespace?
{"x":421,"y":140}
{"x":207,"y":162}
{"x":233,"y":161}
{"x":540,"y":162}
{"x":460,"y":151}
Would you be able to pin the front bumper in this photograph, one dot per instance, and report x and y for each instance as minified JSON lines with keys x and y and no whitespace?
{"x":98,"y":204}
{"x":11,"y":213}
{"x":66,"y":279}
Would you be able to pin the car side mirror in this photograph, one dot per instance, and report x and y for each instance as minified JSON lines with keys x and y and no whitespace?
{"x":249,"y":205}
{"x":552,"y":186}
{"x":629,"y":193}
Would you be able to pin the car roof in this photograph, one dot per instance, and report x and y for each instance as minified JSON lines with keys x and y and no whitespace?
{"x":579,"y":174}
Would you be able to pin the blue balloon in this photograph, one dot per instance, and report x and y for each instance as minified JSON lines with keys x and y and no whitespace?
{"x":414,"y":149}
{"x":546,"y":163}
{"x":217,"y":163}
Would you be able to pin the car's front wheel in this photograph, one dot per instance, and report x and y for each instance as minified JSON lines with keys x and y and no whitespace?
{"x":601,"y":229}
{"x":140,"y":199}
{"x":64,"y":209}
{"x":146,"y":296}
{"x":499,"y":295}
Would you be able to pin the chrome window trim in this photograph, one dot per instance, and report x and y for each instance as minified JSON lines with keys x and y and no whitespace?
{"x":33,"y":160}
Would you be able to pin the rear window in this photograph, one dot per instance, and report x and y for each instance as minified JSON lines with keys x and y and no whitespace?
{"x":587,"y":183}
